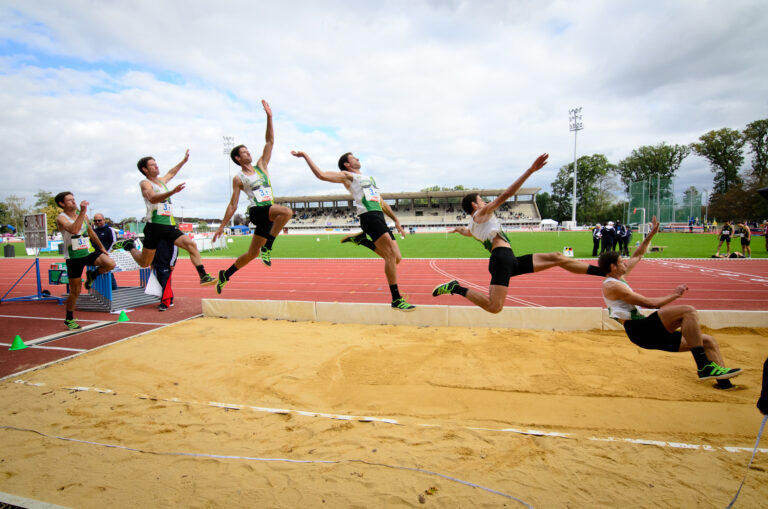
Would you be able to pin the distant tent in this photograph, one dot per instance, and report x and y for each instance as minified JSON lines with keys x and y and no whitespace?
{"x":548,"y":224}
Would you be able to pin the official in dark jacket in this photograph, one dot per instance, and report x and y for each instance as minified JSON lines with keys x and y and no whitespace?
{"x":107,"y":236}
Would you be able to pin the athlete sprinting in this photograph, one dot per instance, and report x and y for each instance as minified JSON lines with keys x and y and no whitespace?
{"x":77,"y":236}
{"x":659,"y":330}
{"x":160,"y":221}
{"x":370,"y":209}
{"x":269,"y":218}
{"x":503,"y":265}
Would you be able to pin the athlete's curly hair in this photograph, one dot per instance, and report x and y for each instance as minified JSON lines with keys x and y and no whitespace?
{"x":467,"y":201}
{"x":142,"y":164}
{"x":235,"y":152}
{"x":607,"y":259}
{"x":344,"y":159}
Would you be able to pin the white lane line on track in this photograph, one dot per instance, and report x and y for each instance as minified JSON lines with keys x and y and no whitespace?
{"x":82,"y":320}
{"x":50,"y":348}
{"x":716,"y":272}
{"x":433,"y":266}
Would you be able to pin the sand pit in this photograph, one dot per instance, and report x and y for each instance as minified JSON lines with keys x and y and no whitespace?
{"x":365,"y":412}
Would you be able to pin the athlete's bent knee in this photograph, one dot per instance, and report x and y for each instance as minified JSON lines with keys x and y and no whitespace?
{"x":689,"y":310}
{"x":495,"y":307}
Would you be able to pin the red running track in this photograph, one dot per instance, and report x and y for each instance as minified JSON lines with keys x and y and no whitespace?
{"x":713,"y":284}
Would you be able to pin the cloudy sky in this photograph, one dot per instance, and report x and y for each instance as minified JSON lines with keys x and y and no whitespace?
{"x":430,"y":92}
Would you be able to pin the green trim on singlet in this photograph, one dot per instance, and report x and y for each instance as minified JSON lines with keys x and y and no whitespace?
{"x":370,"y":206}
{"x":634,"y":314}
{"x":80,"y":253}
{"x":158,"y":218}
{"x":488,"y":244}
{"x":264,"y":178}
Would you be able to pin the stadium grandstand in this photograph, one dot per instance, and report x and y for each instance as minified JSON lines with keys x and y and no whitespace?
{"x":424,"y":211}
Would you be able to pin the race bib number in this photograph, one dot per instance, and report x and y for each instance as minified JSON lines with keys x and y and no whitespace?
{"x":371,"y":194}
{"x":80,"y":243}
{"x":725,"y":232}
{"x":263,"y":194}
{"x":164,"y":209}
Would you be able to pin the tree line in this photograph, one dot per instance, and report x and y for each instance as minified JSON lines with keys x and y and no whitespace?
{"x":734,"y":191}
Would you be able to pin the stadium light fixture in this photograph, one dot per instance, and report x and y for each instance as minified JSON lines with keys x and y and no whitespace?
{"x":575,"y":125}
{"x":229,"y":144}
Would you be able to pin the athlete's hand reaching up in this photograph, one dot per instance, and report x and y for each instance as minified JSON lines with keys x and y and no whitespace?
{"x":267,"y":109}
{"x":298,"y":153}
{"x":540,"y":162}
{"x":654,"y":225}
{"x":179,"y":188}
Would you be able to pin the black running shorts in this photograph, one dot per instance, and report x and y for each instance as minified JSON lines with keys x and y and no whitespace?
{"x":650,"y":333}
{"x":153,"y":232}
{"x":75,"y":266}
{"x":726,"y":238}
{"x":504,"y":265}
{"x":745,"y":242}
{"x":259,"y":217}
{"x":374,"y":225}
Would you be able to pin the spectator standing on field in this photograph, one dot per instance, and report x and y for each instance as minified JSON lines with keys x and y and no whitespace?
{"x":608,"y":238}
{"x":597,"y":233}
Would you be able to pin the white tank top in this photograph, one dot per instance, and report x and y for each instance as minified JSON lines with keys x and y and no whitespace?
{"x":77,"y":246}
{"x":365,"y":194}
{"x":487,"y":231}
{"x":160,"y":213}
{"x":257,"y":187}
{"x":618,"y":308}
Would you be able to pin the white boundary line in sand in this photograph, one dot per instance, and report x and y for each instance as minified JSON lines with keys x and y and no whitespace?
{"x":359,"y":418}
{"x":269,"y":460}
{"x":27,"y":503}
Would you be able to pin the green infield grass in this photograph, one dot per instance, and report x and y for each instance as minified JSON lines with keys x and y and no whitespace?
{"x":440,"y":245}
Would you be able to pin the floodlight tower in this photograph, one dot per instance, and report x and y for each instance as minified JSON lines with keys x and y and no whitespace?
{"x":574,"y":119}
{"x":229,"y":144}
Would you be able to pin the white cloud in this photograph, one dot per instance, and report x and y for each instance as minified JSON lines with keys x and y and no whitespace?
{"x":436,"y":92}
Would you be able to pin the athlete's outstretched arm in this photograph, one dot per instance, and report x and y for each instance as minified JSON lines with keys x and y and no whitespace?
{"x":153,"y":197}
{"x":489,"y":208}
{"x":237,"y":184}
{"x":173,"y":171}
{"x":462,"y":230}
{"x":337,"y":177}
{"x":266,"y":155}
{"x":619,"y":291}
{"x":643,"y":247}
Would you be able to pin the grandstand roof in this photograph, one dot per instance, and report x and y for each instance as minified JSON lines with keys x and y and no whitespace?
{"x":407,"y":195}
